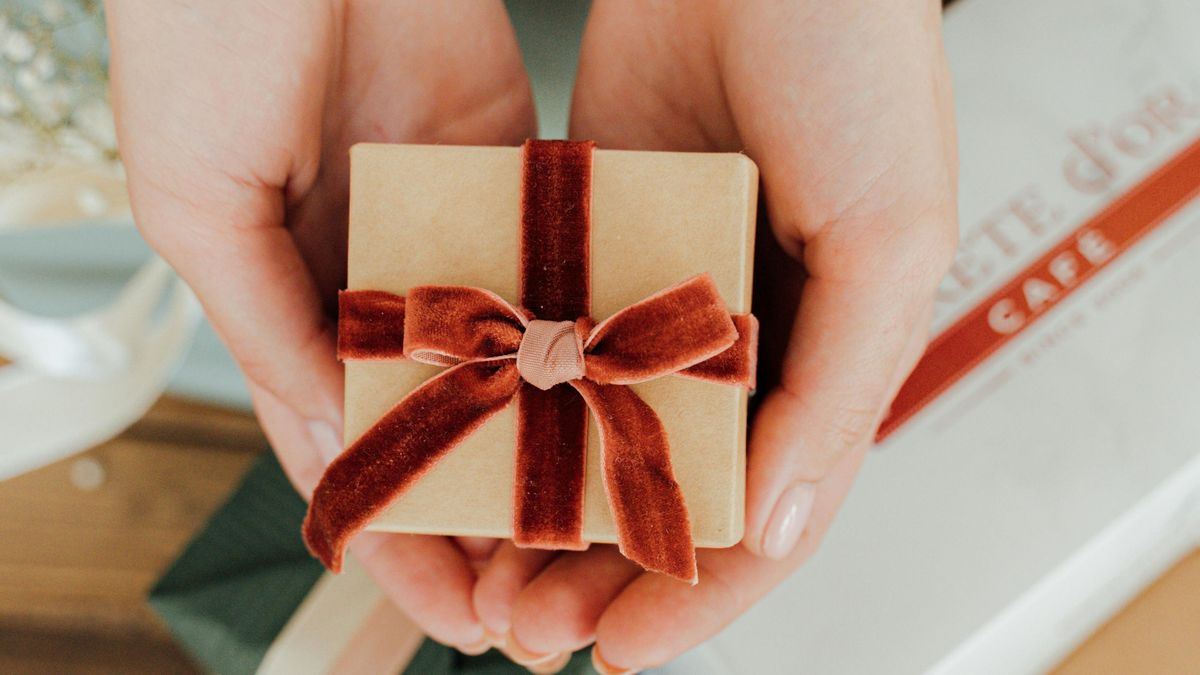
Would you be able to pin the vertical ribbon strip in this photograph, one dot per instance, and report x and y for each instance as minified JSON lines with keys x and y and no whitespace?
{"x":556,"y":209}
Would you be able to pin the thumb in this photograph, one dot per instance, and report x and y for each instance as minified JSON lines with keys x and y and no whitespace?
{"x":207,"y":175}
{"x":855,"y":339}
{"x":257,"y":291}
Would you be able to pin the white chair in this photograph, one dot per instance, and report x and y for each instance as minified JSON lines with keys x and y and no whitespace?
{"x":72,"y":383}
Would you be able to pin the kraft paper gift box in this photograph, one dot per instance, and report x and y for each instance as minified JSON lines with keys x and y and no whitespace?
{"x":443,"y":215}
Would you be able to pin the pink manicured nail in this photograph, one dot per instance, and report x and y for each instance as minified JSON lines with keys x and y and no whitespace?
{"x":523,"y":656}
{"x":550,"y":667}
{"x":329,"y":446}
{"x":475,"y":649}
{"x":605,"y":668}
{"x":497,"y":640}
{"x":788,"y":520}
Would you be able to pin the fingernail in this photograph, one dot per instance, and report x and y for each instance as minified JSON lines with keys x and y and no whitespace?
{"x":523,"y":656}
{"x":325,"y":439}
{"x":475,"y":649}
{"x":604,"y":667}
{"x":788,"y":520}
{"x":552,"y":666}
{"x":496,"y":640}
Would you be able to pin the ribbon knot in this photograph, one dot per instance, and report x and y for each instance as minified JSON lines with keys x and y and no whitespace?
{"x":551,"y":353}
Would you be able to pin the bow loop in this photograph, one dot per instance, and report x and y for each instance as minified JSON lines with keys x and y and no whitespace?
{"x":370,"y":325}
{"x":667,"y":332}
{"x":446,"y":325}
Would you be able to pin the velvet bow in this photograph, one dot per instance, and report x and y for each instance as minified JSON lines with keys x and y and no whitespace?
{"x":493,"y":349}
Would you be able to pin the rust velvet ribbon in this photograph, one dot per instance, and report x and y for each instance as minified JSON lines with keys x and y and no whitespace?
{"x":557,"y":364}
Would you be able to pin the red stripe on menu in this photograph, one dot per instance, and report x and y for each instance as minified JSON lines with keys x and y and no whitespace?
{"x":1045,"y":283}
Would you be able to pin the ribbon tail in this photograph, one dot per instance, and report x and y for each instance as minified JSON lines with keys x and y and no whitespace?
{"x":400,"y":448}
{"x":653,"y":528}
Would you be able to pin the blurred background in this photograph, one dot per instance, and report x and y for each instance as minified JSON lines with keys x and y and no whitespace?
{"x":1041,"y":534}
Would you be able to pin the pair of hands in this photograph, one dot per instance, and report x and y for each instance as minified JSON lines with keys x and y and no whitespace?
{"x":235,"y":119}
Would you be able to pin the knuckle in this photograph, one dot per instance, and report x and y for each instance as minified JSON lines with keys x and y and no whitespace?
{"x":256,"y":367}
{"x":843,"y":430}
{"x":559,"y":618}
{"x":928,"y":243}
{"x":943,"y":246}
{"x":911,"y":246}
{"x":935,"y":238}
{"x":265,"y":364}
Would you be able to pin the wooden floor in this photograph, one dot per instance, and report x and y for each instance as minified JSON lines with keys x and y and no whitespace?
{"x":84,"y":539}
{"x":1158,"y":633}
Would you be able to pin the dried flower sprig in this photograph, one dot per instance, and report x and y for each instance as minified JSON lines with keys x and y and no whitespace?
{"x":53,"y":86}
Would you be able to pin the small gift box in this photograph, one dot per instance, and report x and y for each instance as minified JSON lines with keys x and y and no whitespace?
{"x":550,"y":344}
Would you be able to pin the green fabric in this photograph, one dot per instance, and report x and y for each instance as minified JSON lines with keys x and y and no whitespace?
{"x":241,"y":579}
